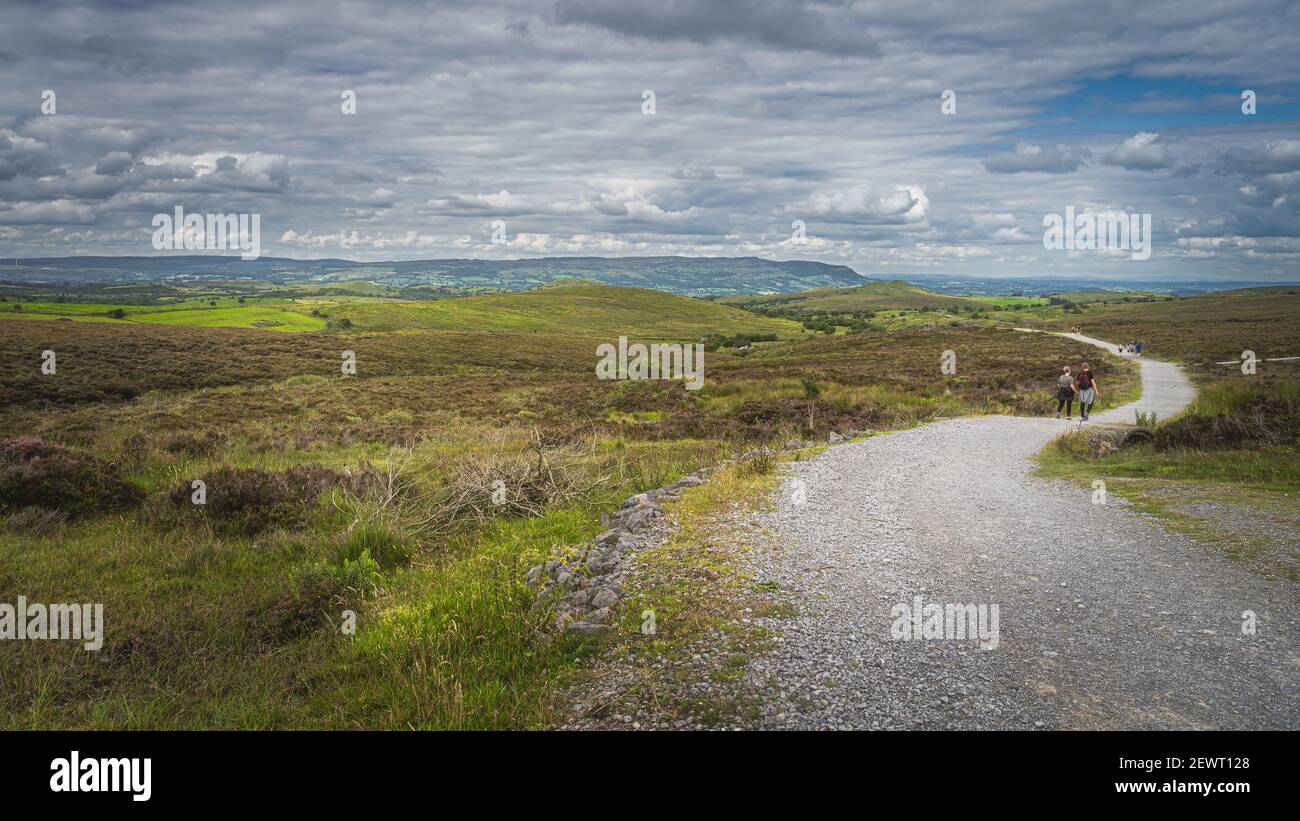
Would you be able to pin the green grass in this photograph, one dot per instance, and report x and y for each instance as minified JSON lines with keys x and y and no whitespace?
{"x":1274,"y":469}
{"x":267,"y":318}
{"x":999,"y":301}
{"x":446,"y":644}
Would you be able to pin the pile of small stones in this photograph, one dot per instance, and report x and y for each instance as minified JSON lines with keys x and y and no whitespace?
{"x":583,"y":588}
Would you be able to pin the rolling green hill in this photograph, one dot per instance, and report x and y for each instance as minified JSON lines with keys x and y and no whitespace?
{"x":574,"y":309}
{"x":874,"y":296}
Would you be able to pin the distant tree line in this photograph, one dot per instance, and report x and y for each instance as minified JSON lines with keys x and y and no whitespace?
{"x":713,"y":342}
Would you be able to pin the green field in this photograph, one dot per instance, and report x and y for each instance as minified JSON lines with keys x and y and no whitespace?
{"x":225,"y":312}
{"x":1010,"y":301}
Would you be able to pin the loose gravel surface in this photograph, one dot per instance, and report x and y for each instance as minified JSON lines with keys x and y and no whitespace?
{"x":1105,"y":620}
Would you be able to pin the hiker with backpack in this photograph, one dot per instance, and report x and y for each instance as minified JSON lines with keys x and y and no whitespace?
{"x":1065,"y":392}
{"x":1086,"y":387}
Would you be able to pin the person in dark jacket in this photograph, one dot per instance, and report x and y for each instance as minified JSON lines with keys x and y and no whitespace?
{"x":1065,"y":392}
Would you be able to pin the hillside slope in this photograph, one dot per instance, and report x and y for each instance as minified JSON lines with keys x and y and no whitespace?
{"x":873,"y":296}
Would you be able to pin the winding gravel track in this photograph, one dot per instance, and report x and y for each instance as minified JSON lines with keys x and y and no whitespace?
{"x":1105,"y":619}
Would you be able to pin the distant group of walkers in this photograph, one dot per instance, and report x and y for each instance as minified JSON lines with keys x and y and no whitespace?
{"x":1134,"y":348}
{"x":1070,"y":388}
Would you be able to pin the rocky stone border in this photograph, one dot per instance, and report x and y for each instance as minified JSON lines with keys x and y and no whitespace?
{"x":583,"y":588}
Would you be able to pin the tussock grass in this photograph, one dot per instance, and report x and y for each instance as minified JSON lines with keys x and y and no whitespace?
{"x":211,"y":627}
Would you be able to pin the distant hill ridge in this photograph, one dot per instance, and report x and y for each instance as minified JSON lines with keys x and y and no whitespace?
{"x":693,"y":276}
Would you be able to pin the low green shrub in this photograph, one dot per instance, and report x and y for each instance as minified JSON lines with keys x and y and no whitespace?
{"x":360,"y":576}
{"x":374,"y":539}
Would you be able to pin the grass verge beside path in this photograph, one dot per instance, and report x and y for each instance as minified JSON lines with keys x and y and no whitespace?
{"x":705,"y":607}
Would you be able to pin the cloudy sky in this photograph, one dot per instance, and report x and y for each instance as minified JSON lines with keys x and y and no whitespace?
{"x":765,"y":113}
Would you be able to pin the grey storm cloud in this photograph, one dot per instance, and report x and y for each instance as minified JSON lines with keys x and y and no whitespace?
{"x":103,"y":52}
{"x":1052,"y":159}
{"x":797,"y":26}
{"x":114,"y":162}
{"x":59,"y":212}
{"x":767,"y":112}
{"x":1274,"y":158}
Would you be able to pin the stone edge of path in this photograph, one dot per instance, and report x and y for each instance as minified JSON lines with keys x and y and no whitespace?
{"x":581,"y":590}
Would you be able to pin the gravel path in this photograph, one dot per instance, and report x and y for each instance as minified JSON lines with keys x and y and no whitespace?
{"x":1104,"y":619}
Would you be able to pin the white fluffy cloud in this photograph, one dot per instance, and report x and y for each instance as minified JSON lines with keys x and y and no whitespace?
{"x":1141,"y":152}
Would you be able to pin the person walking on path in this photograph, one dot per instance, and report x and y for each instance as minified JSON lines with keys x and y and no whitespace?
{"x":1086,"y":385}
{"x":1065,"y":392}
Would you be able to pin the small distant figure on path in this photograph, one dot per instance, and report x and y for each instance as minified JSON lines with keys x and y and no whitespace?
{"x":1137,"y":348}
{"x":1065,"y":392}
{"x":1086,"y":385}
